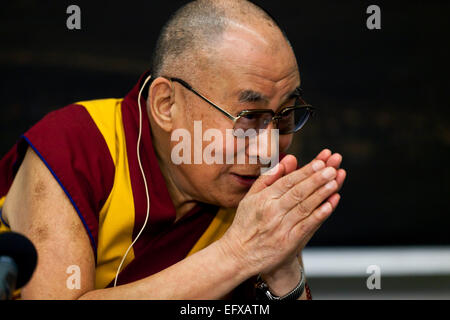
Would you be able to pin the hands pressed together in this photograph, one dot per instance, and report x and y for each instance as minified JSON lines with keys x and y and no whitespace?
{"x":280,"y":214}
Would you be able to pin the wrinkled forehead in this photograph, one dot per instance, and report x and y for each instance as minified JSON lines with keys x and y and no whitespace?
{"x":253,"y":60}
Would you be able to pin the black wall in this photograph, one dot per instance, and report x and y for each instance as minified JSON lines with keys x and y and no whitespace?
{"x":383,"y":95}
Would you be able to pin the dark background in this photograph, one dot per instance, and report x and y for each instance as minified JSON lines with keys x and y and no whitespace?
{"x":383,"y":95}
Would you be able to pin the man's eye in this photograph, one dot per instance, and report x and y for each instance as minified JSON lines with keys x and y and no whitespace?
{"x":250,"y":116}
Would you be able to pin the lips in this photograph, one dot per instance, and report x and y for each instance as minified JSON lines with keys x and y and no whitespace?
{"x":245,"y":180}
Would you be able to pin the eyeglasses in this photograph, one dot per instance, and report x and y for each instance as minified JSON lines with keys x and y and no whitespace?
{"x":288,"y":120}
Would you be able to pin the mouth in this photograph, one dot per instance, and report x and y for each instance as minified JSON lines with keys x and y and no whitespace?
{"x":245,"y":180}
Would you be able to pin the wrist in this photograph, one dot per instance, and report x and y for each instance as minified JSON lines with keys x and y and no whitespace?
{"x":283,"y":279}
{"x":279,"y":289}
{"x":233,"y":259}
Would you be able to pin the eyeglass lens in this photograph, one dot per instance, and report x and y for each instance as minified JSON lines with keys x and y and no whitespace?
{"x":288,"y":122}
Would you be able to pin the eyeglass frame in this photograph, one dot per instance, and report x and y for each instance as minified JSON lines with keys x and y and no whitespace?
{"x":275,"y":115}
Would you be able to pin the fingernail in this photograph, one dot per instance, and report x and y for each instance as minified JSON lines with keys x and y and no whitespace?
{"x":318,"y":165}
{"x":331,"y":185}
{"x":328,"y":173}
{"x":326,"y":208}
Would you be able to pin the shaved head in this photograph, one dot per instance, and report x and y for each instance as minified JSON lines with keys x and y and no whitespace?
{"x":194,"y":33}
{"x":234,"y":54}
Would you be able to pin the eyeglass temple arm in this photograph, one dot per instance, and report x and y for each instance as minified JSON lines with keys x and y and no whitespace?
{"x":187,"y":86}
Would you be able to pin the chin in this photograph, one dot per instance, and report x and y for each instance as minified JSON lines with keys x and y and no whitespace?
{"x":232,"y":200}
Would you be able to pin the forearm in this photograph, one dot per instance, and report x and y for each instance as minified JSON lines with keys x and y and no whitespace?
{"x":208,"y":274}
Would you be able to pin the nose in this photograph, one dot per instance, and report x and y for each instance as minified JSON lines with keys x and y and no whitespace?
{"x":264,"y":147}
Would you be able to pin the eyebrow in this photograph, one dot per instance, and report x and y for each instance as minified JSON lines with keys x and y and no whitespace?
{"x":252,"y":96}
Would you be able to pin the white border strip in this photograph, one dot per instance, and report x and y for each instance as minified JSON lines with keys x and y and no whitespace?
{"x":392,"y":261}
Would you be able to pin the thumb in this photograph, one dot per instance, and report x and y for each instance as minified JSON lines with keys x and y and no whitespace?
{"x":268,"y":178}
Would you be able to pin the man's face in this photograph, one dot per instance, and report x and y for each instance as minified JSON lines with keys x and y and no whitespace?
{"x":246,"y":63}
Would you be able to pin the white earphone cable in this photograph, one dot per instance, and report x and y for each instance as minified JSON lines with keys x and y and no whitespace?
{"x":143,"y":178}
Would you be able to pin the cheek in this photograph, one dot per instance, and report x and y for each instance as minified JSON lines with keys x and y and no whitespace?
{"x":181,"y":118}
{"x":204,"y":178}
{"x":229,"y":147}
{"x":203,"y":170}
{"x":285,"y":142}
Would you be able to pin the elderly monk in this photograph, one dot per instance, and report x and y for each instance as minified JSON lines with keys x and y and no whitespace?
{"x":95,"y":187}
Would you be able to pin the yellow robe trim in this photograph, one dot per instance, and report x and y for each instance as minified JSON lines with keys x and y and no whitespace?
{"x":3,"y":228}
{"x":216,"y":229}
{"x":116,"y":218}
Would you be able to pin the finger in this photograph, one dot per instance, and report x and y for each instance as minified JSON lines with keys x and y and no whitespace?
{"x":307,"y":227}
{"x":294,"y":177}
{"x":283,"y":185}
{"x":290,"y":166}
{"x":304,"y":208}
{"x":324,"y":155}
{"x":334,"y":160}
{"x":340,"y":177}
{"x":301,"y":191}
{"x":334,"y":200}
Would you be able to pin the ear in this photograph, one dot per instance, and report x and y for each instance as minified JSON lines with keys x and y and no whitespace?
{"x":160,"y":103}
